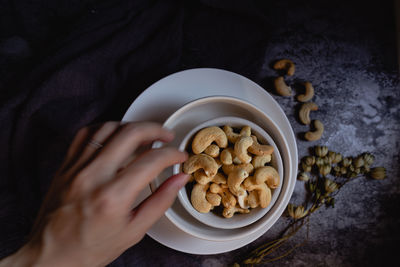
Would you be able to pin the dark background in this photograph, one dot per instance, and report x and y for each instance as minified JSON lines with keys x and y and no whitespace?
{"x":66,"y":64}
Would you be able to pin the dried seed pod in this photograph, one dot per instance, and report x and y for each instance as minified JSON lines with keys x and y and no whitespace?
{"x":368,"y":158}
{"x":330,"y":186}
{"x":358,"y":162}
{"x":357,"y":171}
{"x":303,"y":177}
{"x":343,"y":170}
{"x":321,"y":151}
{"x":327,"y":160}
{"x":325,"y":169}
{"x":378,"y":173}
{"x":300,"y":212}
{"x":338,"y":158}
{"x":296,"y":212}
{"x":311,"y":187}
{"x":336,"y":171}
{"x":290,"y":209}
{"x":331,"y":156}
{"x":346,"y":162}
{"x":319,"y":161}
{"x":351,"y":168}
{"x":305,"y":167}
{"x":309,"y":160}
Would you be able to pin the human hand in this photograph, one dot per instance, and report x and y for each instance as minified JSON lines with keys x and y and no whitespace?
{"x":87,"y":218}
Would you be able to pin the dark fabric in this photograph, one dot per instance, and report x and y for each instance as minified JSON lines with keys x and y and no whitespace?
{"x":65,"y":64}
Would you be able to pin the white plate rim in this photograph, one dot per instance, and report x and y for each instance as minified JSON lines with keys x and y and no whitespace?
{"x":138,"y":111}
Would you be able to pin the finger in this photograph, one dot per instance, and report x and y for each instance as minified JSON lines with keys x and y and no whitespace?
{"x":131,"y":181}
{"x":88,"y":151}
{"x":75,"y":147}
{"x":150,"y":210}
{"x":125,"y":142}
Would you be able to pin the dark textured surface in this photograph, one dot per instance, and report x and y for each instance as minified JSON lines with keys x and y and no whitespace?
{"x":347,"y":49}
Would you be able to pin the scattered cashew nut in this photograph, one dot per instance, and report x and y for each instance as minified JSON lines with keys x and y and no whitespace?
{"x":235,"y":180}
{"x":267,"y":174}
{"x":201,"y":161}
{"x":315,"y":135}
{"x":260,"y":161}
{"x":241,"y":147}
{"x":206,"y":136}
{"x":309,"y":93}
{"x":258,"y":149}
{"x":285,"y":64}
{"x":281,"y":87}
{"x":229,"y":212}
{"x":304,"y":114}
{"x":198,"y":198}
{"x":264,"y":193}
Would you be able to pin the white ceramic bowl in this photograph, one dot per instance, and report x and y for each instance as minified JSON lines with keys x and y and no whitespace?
{"x":204,"y":109}
{"x":238,"y":220}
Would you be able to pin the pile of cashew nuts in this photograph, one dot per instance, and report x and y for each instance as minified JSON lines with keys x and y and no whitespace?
{"x":229,"y":168}
{"x":283,"y":89}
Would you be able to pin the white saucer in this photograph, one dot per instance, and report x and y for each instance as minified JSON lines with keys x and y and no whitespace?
{"x":166,"y":96}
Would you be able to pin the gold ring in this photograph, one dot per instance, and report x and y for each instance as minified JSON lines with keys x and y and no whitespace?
{"x":95,"y":144}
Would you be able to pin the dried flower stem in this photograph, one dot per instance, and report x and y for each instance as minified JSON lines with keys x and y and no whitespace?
{"x":258,"y":256}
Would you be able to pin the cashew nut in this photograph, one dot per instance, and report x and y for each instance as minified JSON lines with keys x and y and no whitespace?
{"x":202,"y":178}
{"x":304,"y":114}
{"x":228,"y":199}
{"x":206,"y":136}
{"x":264,"y":193}
{"x":213,"y":199}
{"x":285,"y":64}
{"x":198,"y":198}
{"x":252,"y":199}
{"x":309,"y":93}
{"x":229,"y":157}
{"x":241,"y":147}
{"x":315,"y":135}
{"x":229,"y":212}
{"x":242,"y":200}
{"x":258,"y":149}
{"x":267,"y":174}
{"x":232,"y":136}
{"x":248,"y":167}
{"x":281,"y":87}
{"x":201,"y":161}
{"x":235,"y":179}
{"x":219,"y":178}
{"x":260,"y":161}
{"x":212,"y":150}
